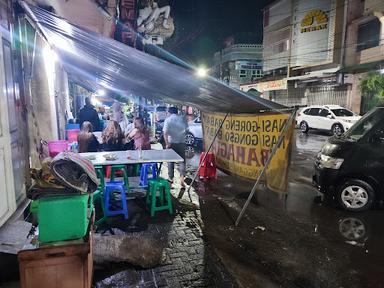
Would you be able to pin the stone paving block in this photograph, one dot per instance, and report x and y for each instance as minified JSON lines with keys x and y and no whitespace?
{"x":174,"y":283}
{"x":181,"y":254}
{"x":147,"y":275}
{"x":164,"y":268}
{"x":183,"y":261}
{"x":148,"y":285}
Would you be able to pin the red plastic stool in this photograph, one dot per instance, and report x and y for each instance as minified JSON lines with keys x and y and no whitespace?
{"x":208,"y":167}
{"x":108,"y":170}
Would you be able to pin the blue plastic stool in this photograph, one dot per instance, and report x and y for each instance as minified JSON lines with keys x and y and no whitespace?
{"x":110,"y":188}
{"x":144,"y":173}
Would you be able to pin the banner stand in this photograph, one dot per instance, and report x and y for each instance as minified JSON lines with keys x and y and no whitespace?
{"x":281,"y":138}
{"x":201,"y":163}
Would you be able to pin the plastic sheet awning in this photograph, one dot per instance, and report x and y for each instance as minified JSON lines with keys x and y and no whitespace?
{"x":95,"y":61}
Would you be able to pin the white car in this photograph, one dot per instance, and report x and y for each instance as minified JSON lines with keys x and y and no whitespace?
{"x":333,"y":118}
{"x":194,"y":133}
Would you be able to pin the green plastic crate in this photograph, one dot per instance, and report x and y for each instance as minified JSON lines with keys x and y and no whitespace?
{"x":63,"y":218}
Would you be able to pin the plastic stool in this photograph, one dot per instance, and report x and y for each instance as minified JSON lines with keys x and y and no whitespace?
{"x":98,"y":195}
{"x":123,"y":169}
{"x":144,"y":173}
{"x":159,"y":186}
{"x":100,"y":174}
{"x":110,"y":188}
{"x":208,"y":167}
{"x":137,"y":169}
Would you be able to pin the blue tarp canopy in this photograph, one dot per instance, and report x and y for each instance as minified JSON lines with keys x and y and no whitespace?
{"x":96,"y":61}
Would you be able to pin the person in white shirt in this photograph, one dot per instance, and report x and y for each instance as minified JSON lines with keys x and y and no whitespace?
{"x":174,"y":135}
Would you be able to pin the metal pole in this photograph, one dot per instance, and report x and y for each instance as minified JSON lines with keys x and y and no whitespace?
{"x":205,"y":156}
{"x":265,"y":168}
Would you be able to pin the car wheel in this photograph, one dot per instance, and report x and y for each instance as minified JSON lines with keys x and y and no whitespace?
{"x":189,"y":152}
{"x":352,"y":228}
{"x":356,"y":195}
{"x":304,"y":127}
{"x":337,"y":129}
{"x":189,"y":139}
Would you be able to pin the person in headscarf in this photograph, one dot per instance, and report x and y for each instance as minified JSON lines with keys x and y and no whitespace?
{"x":121,"y":118}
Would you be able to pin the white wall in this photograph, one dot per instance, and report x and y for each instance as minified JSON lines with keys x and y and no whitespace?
{"x":277,"y":32}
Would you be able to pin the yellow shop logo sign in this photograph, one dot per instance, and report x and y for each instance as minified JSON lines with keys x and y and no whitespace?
{"x":314,"y":20}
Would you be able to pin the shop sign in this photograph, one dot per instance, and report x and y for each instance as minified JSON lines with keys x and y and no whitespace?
{"x":154,"y":21}
{"x":244,"y":144}
{"x":315,"y":20}
{"x":248,"y":65}
{"x":313,"y":37}
{"x":266,"y":86}
{"x":127,"y":25}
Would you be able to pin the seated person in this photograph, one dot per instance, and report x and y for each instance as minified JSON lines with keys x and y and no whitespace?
{"x":86,"y":139}
{"x":112,"y":137}
{"x":140,"y":135}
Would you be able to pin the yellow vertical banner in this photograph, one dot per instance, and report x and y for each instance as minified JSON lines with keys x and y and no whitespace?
{"x":245,"y":142}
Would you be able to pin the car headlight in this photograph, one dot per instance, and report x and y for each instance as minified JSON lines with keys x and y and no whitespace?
{"x":330,"y":162}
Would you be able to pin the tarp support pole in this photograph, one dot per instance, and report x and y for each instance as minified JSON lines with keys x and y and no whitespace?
{"x":201,"y":163}
{"x":277,"y":145}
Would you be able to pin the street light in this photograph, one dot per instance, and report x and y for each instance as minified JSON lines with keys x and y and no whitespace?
{"x":100,"y":92}
{"x":202,"y":72}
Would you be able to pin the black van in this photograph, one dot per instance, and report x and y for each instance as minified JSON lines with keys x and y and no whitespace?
{"x":351,"y":166}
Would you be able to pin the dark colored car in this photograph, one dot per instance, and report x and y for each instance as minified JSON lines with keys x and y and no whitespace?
{"x":351,"y":166}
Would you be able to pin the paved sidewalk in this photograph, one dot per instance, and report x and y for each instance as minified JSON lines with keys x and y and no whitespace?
{"x":187,"y":260}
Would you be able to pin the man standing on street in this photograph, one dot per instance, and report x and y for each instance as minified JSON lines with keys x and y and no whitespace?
{"x":174,"y":135}
{"x":89,"y":113}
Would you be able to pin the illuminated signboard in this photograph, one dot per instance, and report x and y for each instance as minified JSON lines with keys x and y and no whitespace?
{"x":315,"y":20}
{"x":248,"y":65}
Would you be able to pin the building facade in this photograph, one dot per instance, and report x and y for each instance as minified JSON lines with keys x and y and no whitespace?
{"x":238,"y":64}
{"x":364,"y":48}
{"x":34,"y":99}
{"x":313,"y":45}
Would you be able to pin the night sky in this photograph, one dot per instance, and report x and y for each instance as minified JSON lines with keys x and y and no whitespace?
{"x":203,"y":25}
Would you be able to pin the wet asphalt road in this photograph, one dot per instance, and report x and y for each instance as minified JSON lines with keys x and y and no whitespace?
{"x":359,"y":235}
{"x":356,"y":239}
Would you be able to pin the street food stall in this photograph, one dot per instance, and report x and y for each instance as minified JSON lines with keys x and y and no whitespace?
{"x":97,"y":62}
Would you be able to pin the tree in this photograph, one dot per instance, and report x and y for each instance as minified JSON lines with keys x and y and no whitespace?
{"x":372,"y":85}
{"x":372,"y":90}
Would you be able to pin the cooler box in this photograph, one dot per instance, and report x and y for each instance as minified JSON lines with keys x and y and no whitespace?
{"x":72,"y":126}
{"x":72,"y":135}
{"x":63,"y":218}
{"x":57,"y":146}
